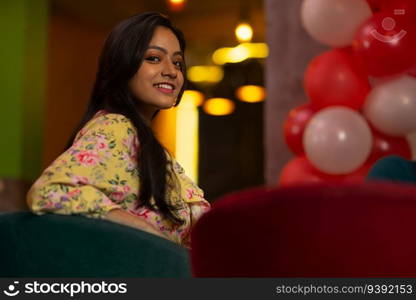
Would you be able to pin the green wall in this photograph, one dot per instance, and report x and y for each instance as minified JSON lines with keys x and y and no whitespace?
{"x":23,"y":51}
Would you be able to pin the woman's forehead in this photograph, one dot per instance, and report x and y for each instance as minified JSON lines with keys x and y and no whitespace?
{"x":164,"y":38}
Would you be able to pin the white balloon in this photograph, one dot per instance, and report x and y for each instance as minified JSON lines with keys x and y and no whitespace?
{"x":334,"y":22}
{"x":391,"y":106}
{"x":337,"y":140}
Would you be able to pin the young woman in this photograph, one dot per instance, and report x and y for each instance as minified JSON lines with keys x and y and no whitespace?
{"x":114,"y":168}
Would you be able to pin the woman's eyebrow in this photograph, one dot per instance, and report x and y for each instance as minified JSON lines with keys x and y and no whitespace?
{"x":165,"y":51}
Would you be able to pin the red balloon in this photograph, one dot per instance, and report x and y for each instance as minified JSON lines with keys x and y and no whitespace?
{"x":333,"y":78}
{"x":295,"y":125}
{"x":406,"y":8}
{"x":385,"y":45}
{"x":412,"y":72}
{"x":375,"y":4}
{"x":299,"y":171}
{"x":384,"y":145}
{"x":358,"y":175}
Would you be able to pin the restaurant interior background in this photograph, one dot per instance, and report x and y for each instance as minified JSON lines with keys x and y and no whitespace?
{"x":227,"y":133}
{"x":49,"y":66}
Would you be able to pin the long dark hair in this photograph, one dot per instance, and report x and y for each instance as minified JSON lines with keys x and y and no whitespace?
{"x":121,"y":57}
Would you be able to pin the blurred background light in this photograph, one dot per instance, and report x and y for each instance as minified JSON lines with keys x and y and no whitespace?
{"x":187,"y":133}
{"x":220,"y":55}
{"x":256,"y":50}
{"x":240,"y":53}
{"x":251,"y":93}
{"x":176,"y":5}
{"x":219,"y":106}
{"x":208,"y":74}
{"x":244,"y":32}
{"x":192,"y":97}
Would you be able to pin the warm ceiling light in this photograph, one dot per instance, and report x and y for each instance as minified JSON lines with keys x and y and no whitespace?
{"x":239,"y":53}
{"x":176,"y":5}
{"x":192,"y":97}
{"x":219,"y":106}
{"x":256,"y":50}
{"x":220,"y":55}
{"x":244,"y":32}
{"x":208,"y":74}
{"x":230,"y":55}
{"x":251,"y":93}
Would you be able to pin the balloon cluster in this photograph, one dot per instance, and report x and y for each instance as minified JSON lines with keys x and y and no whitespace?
{"x":362,"y":92}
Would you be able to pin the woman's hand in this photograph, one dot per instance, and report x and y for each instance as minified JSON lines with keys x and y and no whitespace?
{"x":125,"y":218}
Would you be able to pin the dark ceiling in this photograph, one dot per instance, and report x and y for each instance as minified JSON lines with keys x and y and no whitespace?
{"x":206,"y":24}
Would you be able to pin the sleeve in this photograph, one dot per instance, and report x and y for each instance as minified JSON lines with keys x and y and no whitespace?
{"x":196,"y":210}
{"x":393,"y":168}
{"x":87,"y":178}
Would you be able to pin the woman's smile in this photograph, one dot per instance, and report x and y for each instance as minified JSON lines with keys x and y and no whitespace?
{"x":164,"y":87}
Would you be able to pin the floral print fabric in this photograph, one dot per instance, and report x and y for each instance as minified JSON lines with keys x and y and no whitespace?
{"x":100,"y":173}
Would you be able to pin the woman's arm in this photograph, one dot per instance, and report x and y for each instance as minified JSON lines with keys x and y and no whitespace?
{"x":125,"y":218}
{"x":96,"y":177}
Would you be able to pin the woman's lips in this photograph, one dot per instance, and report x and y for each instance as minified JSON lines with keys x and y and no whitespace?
{"x":164,"y":90}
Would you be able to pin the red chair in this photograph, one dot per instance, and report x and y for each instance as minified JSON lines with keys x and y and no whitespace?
{"x":312,"y":231}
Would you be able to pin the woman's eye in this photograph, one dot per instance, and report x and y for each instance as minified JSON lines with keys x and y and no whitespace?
{"x":178,"y":64}
{"x":153,"y":58}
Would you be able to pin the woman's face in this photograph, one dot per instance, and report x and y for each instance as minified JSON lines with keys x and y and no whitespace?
{"x":159,"y":79}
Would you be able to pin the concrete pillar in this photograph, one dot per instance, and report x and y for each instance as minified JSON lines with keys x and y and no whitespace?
{"x":291,"y":49}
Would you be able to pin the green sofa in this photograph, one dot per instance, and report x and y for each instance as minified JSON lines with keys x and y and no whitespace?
{"x":75,"y":246}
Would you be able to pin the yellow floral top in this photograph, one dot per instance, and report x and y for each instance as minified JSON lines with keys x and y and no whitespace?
{"x":99,"y":173}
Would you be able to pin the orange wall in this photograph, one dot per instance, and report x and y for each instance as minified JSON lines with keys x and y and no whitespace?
{"x":73,"y":52}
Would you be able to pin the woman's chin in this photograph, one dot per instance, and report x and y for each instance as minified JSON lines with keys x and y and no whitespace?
{"x":166,"y":105}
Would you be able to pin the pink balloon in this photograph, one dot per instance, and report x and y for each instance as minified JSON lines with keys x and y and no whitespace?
{"x":337,"y":140}
{"x":391,"y":106}
{"x":334,"y":22}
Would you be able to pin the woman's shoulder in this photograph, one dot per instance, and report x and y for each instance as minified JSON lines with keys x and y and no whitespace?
{"x":113,"y":123}
{"x":393,"y":168}
{"x":105,"y":119}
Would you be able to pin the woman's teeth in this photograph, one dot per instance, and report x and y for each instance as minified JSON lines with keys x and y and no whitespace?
{"x":164,"y":86}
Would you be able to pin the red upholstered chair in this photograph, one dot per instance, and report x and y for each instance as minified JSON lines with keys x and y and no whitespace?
{"x":312,"y":231}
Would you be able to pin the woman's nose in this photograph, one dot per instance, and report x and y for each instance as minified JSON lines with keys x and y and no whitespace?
{"x":169,"y":69}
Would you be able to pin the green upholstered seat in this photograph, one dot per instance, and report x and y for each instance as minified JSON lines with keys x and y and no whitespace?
{"x":75,"y":246}
{"x":395,"y":169}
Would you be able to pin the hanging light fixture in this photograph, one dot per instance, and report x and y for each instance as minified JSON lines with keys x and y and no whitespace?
{"x":176,"y":5}
{"x":244,"y":32}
